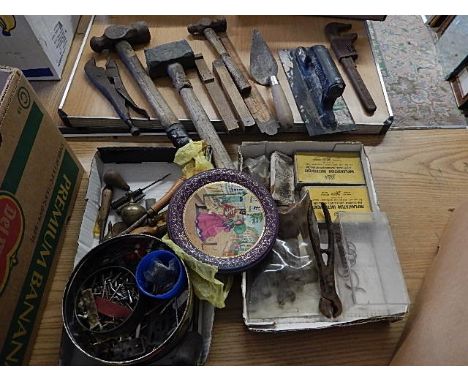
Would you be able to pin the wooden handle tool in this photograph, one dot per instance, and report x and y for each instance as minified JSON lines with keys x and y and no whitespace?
{"x":156,"y":207}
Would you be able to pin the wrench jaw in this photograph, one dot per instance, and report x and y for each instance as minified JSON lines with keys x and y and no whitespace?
{"x":343,"y":47}
{"x":330,"y":304}
{"x":335,"y":29}
{"x":330,"y":309}
{"x":341,"y":43}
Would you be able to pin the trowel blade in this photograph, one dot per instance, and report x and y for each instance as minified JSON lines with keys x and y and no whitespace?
{"x":262,"y":63}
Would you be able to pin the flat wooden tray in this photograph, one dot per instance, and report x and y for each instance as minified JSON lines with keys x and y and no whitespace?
{"x":84,"y":110}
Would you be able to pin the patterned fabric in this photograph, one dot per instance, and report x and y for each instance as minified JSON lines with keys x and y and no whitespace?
{"x":420,"y":97}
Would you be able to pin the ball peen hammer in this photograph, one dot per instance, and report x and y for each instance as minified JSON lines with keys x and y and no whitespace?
{"x":121,"y":38}
{"x":208,"y":27}
{"x":170,"y":59}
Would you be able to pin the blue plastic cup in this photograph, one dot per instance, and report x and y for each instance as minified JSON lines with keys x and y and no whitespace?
{"x":165,"y":257}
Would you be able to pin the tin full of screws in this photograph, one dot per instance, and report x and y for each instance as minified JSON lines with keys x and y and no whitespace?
{"x":107,"y":318}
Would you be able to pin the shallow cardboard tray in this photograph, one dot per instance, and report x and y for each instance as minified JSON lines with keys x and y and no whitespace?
{"x":138,"y":166}
{"x":392,"y":312}
{"x":85,"y":111}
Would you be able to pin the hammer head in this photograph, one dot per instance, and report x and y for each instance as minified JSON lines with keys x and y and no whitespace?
{"x":137,"y":33}
{"x":218,"y":25}
{"x":160,"y":57}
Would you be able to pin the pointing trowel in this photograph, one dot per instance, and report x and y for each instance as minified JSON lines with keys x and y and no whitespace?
{"x":264,"y":69}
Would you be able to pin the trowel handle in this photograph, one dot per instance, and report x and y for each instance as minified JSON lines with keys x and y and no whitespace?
{"x":283,"y":111}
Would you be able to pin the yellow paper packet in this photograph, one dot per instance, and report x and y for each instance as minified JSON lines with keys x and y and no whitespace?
{"x":191,"y":158}
{"x":203,"y":277}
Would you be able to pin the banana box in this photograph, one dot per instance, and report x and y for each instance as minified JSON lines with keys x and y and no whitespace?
{"x":39,"y":180}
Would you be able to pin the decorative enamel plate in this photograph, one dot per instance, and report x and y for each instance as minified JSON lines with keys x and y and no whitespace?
{"x":223,"y":217}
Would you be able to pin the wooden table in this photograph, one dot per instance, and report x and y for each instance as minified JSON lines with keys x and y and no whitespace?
{"x":420,"y":177}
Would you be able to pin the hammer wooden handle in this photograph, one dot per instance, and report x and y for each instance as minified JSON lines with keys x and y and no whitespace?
{"x":202,"y":122}
{"x":174,"y":129}
{"x":239,"y":79}
{"x":205,"y":129}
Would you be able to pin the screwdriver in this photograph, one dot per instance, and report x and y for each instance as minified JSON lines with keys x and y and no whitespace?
{"x":133,"y":195}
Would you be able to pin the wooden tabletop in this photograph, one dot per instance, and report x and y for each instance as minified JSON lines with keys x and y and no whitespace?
{"x":84,"y":102}
{"x":420,"y":177}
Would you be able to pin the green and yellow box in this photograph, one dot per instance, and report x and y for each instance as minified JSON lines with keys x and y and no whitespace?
{"x":39,"y":180}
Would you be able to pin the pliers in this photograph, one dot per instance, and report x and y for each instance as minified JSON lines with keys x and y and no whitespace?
{"x":110,"y":84}
{"x":330,"y":304}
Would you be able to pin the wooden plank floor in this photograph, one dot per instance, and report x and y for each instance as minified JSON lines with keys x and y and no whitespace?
{"x":420,"y":177}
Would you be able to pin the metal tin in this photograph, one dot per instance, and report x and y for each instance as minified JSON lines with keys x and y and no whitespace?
{"x":124,"y":251}
{"x":225,"y":218}
{"x":95,"y":280}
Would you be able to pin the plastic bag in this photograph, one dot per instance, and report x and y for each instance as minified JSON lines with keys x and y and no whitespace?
{"x":282,"y":284}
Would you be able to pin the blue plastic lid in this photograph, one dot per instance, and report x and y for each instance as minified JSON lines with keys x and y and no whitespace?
{"x":164,"y":257}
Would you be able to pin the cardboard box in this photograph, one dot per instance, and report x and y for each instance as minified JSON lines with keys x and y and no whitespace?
{"x":38,"y":45}
{"x":384,"y":296}
{"x":138,"y":166}
{"x":85,"y":111}
{"x":39,"y":179}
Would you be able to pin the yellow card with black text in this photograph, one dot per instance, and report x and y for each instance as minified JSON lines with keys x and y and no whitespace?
{"x":328,"y":168}
{"x":339,"y":199}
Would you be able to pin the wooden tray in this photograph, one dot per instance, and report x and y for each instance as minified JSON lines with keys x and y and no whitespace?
{"x":85,"y":111}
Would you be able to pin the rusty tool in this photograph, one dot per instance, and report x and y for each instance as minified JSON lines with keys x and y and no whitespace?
{"x":134,"y":195}
{"x":216,"y":94}
{"x":121,"y":38}
{"x":156,"y":207}
{"x":109,"y":83}
{"x":330,"y":304}
{"x":232,"y":94}
{"x":257,"y":106}
{"x":209,"y":28}
{"x":171,"y":59}
{"x":342,"y":46}
{"x":264,"y":70}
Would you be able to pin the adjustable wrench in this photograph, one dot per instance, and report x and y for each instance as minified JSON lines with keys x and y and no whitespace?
{"x":342,"y":46}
